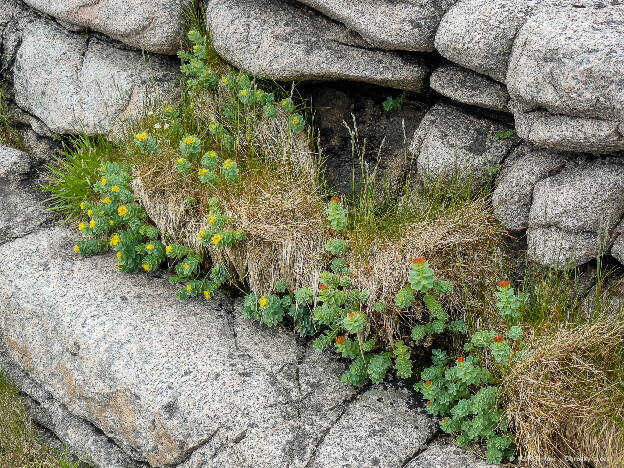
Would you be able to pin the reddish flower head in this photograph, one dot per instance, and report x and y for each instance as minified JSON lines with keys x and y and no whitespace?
{"x":419,"y":260}
{"x":461,"y":359}
{"x":429,"y":403}
{"x":498,"y":338}
{"x":351,"y":315}
{"x":428,"y":383}
{"x":443,"y":420}
{"x":340,"y":340}
{"x":323,"y":286}
{"x":504,"y":284}
{"x":335,"y":199}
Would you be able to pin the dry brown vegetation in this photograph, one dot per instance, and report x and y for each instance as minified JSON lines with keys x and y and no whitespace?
{"x":565,"y":398}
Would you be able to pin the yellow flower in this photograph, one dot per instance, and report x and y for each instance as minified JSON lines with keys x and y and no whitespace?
{"x":190,"y":140}
{"x":168,"y":109}
{"x":202,"y":172}
{"x":195,"y":47}
{"x":102,"y":212}
{"x":201,"y":234}
{"x":244,"y":92}
{"x":115,"y":188}
{"x":239,"y":232}
{"x":92,"y":223}
{"x":149,"y":246}
{"x":111,"y":222}
{"x":186,"y":266}
{"x":106,"y":200}
{"x":216,"y":239}
{"x":181,"y":160}
{"x":207,"y":295}
{"x":228,"y":164}
{"x":89,"y":212}
{"x":295,"y":120}
{"x":115,"y":240}
{"x":191,"y":32}
{"x":141,"y":136}
{"x":189,"y":288}
{"x":263,"y":301}
{"x":102,"y":168}
{"x":212,"y":219}
{"x":122,"y":210}
{"x":213,"y":127}
{"x":119,"y":265}
{"x":76,"y":249}
{"x":147,"y":267}
{"x":82,"y":205}
{"x":103,"y":181}
{"x":224,"y":79}
{"x":212,"y":154}
{"x":284,"y":102}
{"x":169,"y":249}
{"x":119,"y":255}
{"x":81,"y":226}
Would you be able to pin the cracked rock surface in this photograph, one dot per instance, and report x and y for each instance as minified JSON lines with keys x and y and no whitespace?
{"x":121,"y":369}
{"x":73,"y":83}
{"x":284,"y":40}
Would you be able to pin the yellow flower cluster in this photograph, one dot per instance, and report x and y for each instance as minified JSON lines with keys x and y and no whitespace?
{"x":149,"y":247}
{"x":207,"y":295}
{"x":122,"y":210}
{"x":169,"y":249}
{"x":147,"y":267}
{"x":190,"y":140}
{"x":106,"y":200}
{"x":76,"y":249}
{"x":115,"y":240}
{"x":181,"y":160}
{"x":263,"y":301}
{"x":202,"y":172}
{"x":228,"y":163}
{"x":212,"y":219}
{"x":92,"y":223}
{"x":103,"y":181}
{"x":216,"y":239}
{"x":115,"y":188}
{"x":81,"y":226}
{"x":212,"y":154}
{"x":201,"y":234}
{"x":141,"y":136}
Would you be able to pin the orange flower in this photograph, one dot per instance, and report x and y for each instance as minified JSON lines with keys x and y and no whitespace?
{"x":323,"y":286}
{"x":335,"y":199}
{"x":443,"y":420}
{"x":461,"y":359}
{"x":498,"y":338}
{"x":351,"y":315}
{"x":340,"y":340}
{"x":428,"y":383}
{"x":430,"y":403}
{"x":419,"y":260}
{"x":504,"y":284}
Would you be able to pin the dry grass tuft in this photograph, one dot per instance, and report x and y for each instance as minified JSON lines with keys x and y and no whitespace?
{"x":565,"y":399}
{"x":462,"y":246}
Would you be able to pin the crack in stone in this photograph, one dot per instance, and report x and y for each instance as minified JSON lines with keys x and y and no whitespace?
{"x":422,"y":448}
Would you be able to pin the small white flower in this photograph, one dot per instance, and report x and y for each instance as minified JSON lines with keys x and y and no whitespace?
{"x":166,"y":126}
{"x":150,"y":113}
{"x":157,"y":125}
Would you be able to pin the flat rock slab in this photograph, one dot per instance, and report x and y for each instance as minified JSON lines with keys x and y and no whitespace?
{"x":443,"y":454}
{"x":284,"y":40}
{"x":76,"y":84}
{"x":395,"y":25}
{"x":187,"y":383}
{"x":154,"y":26}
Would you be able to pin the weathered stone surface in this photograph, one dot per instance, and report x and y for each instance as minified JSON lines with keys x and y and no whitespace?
{"x":565,"y":133}
{"x":21,"y":211}
{"x":154,"y":26}
{"x":468,"y":87}
{"x":450,"y":141}
{"x":513,"y":194}
{"x":444,"y":454}
{"x":386,"y":133}
{"x":363,"y":438}
{"x":574,"y":213}
{"x":283,"y":40}
{"x":617,"y":250}
{"x":189,"y":383}
{"x":479,"y":34}
{"x":396,"y":25}
{"x":74,"y":84}
{"x":570,"y":63}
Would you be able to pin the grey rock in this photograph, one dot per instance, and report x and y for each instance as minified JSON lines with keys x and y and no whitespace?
{"x":444,"y":454}
{"x":79,"y":85}
{"x":283,"y":40}
{"x":479,"y":34}
{"x":617,"y":250}
{"x":190,"y":383}
{"x":385,"y":135}
{"x":566,"y":133}
{"x":451,"y":141}
{"x":468,"y":87}
{"x":571,"y":62}
{"x":513,"y":194}
{"x":396,"y":25}
{"x":362,"y":438}
{"x":574,"y":213}
{"x":66,"y":431}
{"x":21,"y":210}
{"x":154,"y":26}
